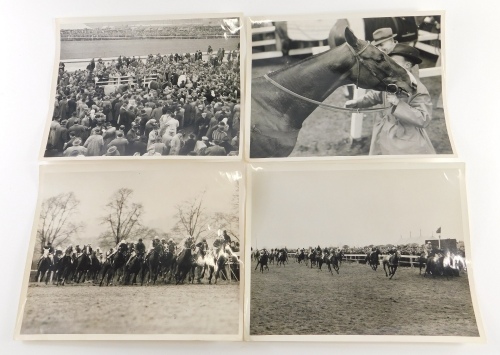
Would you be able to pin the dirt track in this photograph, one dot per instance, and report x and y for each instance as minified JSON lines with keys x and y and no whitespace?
{"x":358,"y":301}
{"x":165,"y":309}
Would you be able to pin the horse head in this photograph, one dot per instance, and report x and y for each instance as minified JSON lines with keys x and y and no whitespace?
{"x":373,"y":69}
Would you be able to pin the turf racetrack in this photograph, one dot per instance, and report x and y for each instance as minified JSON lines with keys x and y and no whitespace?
{"x":141,"y":47}
{"x":164,"y":309}
{"x":296,"y":299}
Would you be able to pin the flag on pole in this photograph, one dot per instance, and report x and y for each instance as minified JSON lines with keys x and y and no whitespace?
{"x":438,"y":230}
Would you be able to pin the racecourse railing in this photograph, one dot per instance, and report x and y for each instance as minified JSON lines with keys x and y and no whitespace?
{"x":404,"y":259}
{"x":105,"y":38}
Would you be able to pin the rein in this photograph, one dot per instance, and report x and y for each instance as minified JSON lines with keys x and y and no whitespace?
{"x":359,"y":61}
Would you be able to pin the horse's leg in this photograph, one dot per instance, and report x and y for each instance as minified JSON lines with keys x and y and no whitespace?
{"x":383,"y":264}
{"x":393,"y":272}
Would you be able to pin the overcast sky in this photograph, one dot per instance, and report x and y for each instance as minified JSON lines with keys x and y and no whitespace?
{"x":357,"y":208}
{"x":158,"y":191}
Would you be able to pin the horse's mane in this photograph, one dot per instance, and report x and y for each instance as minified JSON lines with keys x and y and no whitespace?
{"x":306,"y":59}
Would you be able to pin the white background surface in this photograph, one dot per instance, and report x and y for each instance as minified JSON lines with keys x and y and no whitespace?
{"x":27,"y":59}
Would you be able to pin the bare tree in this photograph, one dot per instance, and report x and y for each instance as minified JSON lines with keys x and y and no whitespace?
{"x":123,"y":216}
{"x":192,"y":218}
{"x":55,"y":225}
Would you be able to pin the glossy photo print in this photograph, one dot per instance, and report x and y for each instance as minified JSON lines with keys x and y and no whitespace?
{"x":335,"y":86}
{"x":156,"y":86}
{"x":351,"y":253}
{"x":118,"y":253}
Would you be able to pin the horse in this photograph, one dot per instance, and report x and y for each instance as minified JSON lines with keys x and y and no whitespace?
{"x":334,"y":263}
{"x":83,"y":264}
{"x":95,"y":268}
{"x":281,"y":258}
{"x":135,"y":266}
{"x":373,"y":259}
{"x":64,"y":269}
{"x":110,"y":266}
{"x":183,"y":265}
{"x":277,"y":115}
{"x":392,"y":262}
{"x":312,"y":258}
{"x":202,"y":261}
{"x":43,"y":269}
{"x":301,"y":257}
{"x":167,"y":265}
{"x":422,"y":262}
{"x":263,"y":261}
{"x":153,"y":263}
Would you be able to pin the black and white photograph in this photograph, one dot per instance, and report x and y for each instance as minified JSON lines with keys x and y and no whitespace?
{"x":157,"y":87}
{"x":332,"y":86}
{"x":360,"y":253}
{"x":153,"y":254}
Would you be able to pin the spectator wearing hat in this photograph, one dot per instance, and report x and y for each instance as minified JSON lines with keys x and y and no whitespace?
{"x":400,"y":130}
{"x":215,"y":150}
{"x":95,"y":143}
{"x":69,"y":143}
{"x":112,"y":152}
{"x":160,"y":147}
{"x":109,"y":134}
{"x":383,"y":39}
{"x":189,"y":145}
{"x":120,"y":142}
{"x":61,"y":135}
{"x":76,"y":148}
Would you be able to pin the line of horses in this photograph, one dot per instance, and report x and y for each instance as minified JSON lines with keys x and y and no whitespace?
{"x":444,"y":264}
{"x":123,"y":268}
{"x":333,"y":259}
{"x":436,"y":264}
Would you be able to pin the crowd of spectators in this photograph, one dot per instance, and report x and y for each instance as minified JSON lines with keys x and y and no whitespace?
{"x":131,"y":32}
{"x":192,"y":107}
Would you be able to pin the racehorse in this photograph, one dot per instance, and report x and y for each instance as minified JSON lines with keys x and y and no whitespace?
{"x":262,"y":261}
{"x":422,"y":262}
{"x":95,"y":268}
{"x":334,"y":262}
{"x":64,"y":269}
{"x":135,"y":266}
{"x":183,"y":265}
{"x":167,"y":265}
{"x":43,"y":269}
{"x":277,"y":112}
{"x":201,"y":262}
{"x":301,"y":257}
{"x":153,"y":263}
{"x":282,"y":257}
{"x":372,"y":259}
{"x":312,"y":258}
{"x":83,"y":264}
{"x":110,"y":266}
{"x":392,"y":262}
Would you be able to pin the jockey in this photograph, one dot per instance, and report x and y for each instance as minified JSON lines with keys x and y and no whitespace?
{"x":69,"y":250}
{"x":48,"y":252}
{"x":171,"y":246}
{"x":186,"y":244}
{"x":203,"y":245}
{"x":428,"y":249}
{"x":140,"y":248}
{"x":164,"y":244}
{"x":78,"y":250}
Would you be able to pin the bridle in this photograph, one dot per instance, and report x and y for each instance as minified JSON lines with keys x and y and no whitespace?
{"x":360,"y":62}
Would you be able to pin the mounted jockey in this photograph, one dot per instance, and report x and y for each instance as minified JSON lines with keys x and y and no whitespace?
{"x":428,"y":249}
{"x":154,"y":243}
{"x":203,"y":245}
{"x":69,"y":250}
{"x":187,"y":243}
{"x":48,"y":252}
{"x":171,"y":247}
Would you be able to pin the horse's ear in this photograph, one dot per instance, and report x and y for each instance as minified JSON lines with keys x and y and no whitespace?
{"x":351,"y":38}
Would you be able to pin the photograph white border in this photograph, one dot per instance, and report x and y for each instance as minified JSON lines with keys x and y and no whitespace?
{"x":391,"y":168}
{"x":248,"y":87}
{"x":166,"y":17}
{"x":101,"y":166}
